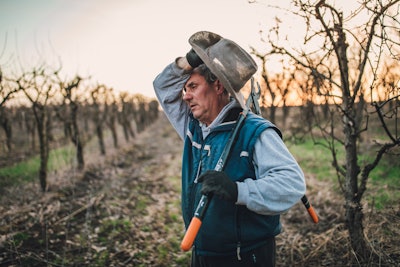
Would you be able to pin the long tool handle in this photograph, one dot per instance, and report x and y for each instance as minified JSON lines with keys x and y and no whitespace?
{"x":310,"y":209}
{"x":197,"y":219}
{"x":195,"y":223}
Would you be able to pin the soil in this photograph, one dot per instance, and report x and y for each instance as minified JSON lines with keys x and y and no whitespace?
{"x":124,"y":210}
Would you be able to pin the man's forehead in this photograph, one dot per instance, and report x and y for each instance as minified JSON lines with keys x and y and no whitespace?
{"x":195,"y":78}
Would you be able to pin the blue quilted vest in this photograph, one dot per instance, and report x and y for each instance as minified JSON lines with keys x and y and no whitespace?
{"x":226,"y":227}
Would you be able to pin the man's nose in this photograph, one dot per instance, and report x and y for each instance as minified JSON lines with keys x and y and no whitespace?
{"x":187,"y":96}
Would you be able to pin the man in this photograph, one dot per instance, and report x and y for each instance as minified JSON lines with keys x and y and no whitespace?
{"x":200,"y":94}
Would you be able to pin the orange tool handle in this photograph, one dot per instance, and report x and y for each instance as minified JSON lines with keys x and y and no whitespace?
{"x":191,"y":233}
{"x":313,"y":214}
{"x":310,"y":209}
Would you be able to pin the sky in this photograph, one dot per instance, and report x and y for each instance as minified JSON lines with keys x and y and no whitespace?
{"x":123,"y":44}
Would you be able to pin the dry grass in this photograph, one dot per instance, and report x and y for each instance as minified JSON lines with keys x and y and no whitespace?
{"x":124,"y":210}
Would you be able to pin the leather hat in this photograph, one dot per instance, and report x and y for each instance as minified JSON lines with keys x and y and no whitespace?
{"x":232,"y":65}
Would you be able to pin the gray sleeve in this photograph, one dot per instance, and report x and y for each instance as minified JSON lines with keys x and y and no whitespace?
{"x":280,"y":182}
{"x":168,"y":87}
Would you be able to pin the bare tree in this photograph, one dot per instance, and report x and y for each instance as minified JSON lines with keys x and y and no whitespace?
{"x":111,"y":110}
{"x":5,"y":123}
{"x":140,"y":115}
{"x":388,"y":83}
{"x":153,"y":110}
{"x":127,"y":114}
{"x":98,"y":115}
{"x":70,"y":103}
{"x":371,"y":41}
{"x":39,"y":89}
{"x":8,"y":87}
{"x":277,"y":87}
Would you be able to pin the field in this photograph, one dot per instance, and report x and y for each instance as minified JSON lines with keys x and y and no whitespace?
{"x":124,"y":210}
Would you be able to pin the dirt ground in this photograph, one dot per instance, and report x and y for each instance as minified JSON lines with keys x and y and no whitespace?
{"x":124,"y":210}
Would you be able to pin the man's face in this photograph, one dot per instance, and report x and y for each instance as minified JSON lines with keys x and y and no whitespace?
{"x":202,"y":98}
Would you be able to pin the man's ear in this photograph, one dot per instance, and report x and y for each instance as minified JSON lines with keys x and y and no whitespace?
{"x":219,"y":87}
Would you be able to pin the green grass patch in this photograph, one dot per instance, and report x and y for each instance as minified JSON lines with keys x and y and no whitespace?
{"x":110,"y":229}
{"x":27,"y":171}
{"x":383,"y":182}
{"x":62,"y":157}
{"x":19,"y":238}
{"x":23,"y":171}
{"x":314,"y":159}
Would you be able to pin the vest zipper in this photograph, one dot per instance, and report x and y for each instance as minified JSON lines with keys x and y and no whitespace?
{"x":239,"y":237}
{"x":238,"y":251}
{"x":194,"y":190}
{"x":198,"y":171}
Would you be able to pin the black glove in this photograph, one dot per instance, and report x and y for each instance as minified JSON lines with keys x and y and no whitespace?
{"x":218,"y":183}
{"x":193,"y":59}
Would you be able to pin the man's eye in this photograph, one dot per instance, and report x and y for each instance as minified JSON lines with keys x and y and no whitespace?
{"x":191,"y":87}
